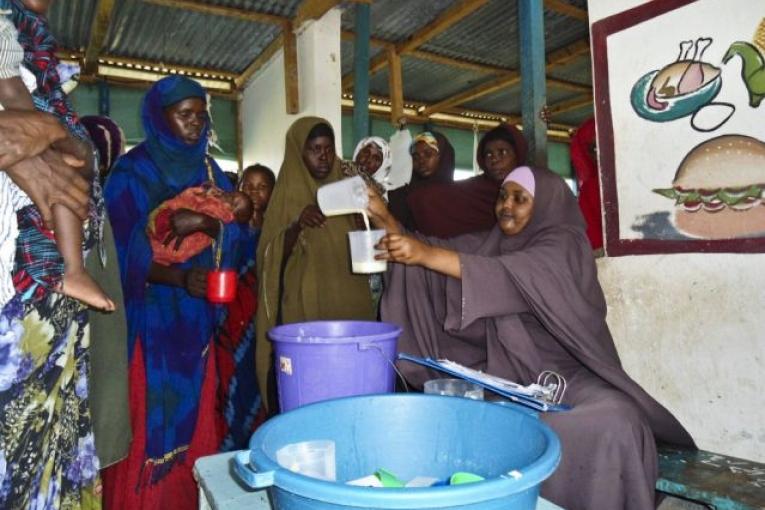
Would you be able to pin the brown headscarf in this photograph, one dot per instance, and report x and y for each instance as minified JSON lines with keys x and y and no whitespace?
{"x":399,"y":202}
{"x":451,"y":209}
{"x":317,"y":281}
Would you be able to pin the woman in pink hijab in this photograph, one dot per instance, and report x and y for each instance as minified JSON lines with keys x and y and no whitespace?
{"x":520,"y":299}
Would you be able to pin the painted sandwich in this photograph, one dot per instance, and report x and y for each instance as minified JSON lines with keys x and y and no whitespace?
{"x":718,"y":189}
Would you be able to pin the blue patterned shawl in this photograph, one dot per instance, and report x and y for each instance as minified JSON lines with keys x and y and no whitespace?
{"x":173,"y":328}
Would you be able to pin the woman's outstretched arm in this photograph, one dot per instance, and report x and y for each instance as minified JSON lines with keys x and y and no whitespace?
{"x":408,"y":250}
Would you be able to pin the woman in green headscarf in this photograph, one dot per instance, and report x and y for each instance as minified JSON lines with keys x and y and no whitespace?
{"x":303,"y":260}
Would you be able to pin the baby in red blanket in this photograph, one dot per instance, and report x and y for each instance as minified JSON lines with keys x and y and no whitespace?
{"x":226,"y":206}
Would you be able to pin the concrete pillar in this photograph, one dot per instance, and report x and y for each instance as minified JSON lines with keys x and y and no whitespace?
{"x":263,"y":103}
{"x":361,"y":74}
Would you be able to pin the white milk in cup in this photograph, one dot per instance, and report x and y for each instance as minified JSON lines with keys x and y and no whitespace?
{"x":349,"y":196}
{"x":363,"y":251}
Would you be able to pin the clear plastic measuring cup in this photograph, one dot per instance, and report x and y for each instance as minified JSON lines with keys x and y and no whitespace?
{"x":363,"y":251}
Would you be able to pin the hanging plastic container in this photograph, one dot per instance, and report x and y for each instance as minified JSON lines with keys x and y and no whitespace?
{"x":221,"y":283}
{"x":410,"y":435}
{"x":221,"y":286}
{"x":330,"y":359}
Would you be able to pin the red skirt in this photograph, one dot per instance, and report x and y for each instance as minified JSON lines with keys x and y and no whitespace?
{"x":123,"y":484}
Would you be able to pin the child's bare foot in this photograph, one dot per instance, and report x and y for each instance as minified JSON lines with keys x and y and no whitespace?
{"x":80,"y":286}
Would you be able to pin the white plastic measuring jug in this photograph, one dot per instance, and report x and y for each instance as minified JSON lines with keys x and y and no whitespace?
{"x":348,"y":196}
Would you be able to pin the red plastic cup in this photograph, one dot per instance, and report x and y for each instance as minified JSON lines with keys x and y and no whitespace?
{"x":221,"y":286}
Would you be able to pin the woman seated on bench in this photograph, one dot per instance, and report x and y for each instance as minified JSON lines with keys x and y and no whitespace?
{"x":522,"y":298}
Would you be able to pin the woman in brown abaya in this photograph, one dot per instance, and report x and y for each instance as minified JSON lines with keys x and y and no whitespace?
{"x":455,"y":208}
{"x":522,"y":298}
{"x":432,"y":164}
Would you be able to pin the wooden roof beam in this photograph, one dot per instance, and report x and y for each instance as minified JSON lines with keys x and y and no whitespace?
{"x":569,"y":85}
{"x":570,"y":105}
{"x":375,"y":65}
{"x":567,"y":54}
{"x":459,"y":11}
{"x":220,"y":10}
{"x":395,"y":86}
{"x":312,"y":9}
{"x":291,"y":74}
{"x":554,"y":59}
{"x":452,"y":15}
{"x":565,"y":8}
{"x":261,"y":60}
{"x":149,"y":65}
{"x":474,"y":93}
{"x":98,"y":29}
{"x":351,"y":36}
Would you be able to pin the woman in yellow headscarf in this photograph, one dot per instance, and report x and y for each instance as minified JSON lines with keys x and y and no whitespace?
{"x":303,"y":260}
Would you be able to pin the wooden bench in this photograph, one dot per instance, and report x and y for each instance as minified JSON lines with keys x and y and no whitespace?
{"x":718,"y":481}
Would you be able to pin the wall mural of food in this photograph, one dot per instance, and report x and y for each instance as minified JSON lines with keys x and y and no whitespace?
{"x":718,"y":189}
{"x":689,"y":131}
{"x":685,"y":87}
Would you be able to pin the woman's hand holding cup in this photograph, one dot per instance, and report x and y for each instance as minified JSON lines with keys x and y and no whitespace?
{"x":379,"y":214}
{"x":403,"y":249}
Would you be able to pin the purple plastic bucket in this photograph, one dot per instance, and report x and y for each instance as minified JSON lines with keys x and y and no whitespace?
{"x":329,"y":359}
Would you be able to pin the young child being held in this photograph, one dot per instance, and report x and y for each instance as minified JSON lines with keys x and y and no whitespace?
{"x":226,"y":206}
{"x":67,"y":226}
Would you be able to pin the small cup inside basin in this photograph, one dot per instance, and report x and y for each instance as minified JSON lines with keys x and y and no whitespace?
{"x":310,"y":458}
{"x":453,"y":388}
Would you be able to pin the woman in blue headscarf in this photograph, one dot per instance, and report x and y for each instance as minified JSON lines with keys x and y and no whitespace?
{"x":170,"y":323}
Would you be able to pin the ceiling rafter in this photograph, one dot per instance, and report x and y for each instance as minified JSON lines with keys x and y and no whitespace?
{"x":570,"y":105}
{"x":474,"y":93}
{"x":462,"y":9}
{"x":220,"y":10}
{"x":261,"y":60}
{"x":459,"y":11}
{"x":312,"y":9}
{"x":561,"y":7}
{"x":150,"y":65}
{"x":554,"y":59}
{"x":456,"y":117}
{"x":98,"y":28}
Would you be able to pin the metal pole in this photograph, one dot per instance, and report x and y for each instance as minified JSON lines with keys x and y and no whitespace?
{"x":533,"y":91}
{"x":104,"y":102}
{"x":361,"y":74}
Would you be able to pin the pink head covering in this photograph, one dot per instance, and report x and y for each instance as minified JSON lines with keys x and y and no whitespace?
{"x":523,"y":176}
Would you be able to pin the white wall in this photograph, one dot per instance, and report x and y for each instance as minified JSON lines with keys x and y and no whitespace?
{"x":264,"y":118}
{"x":691,"y":329}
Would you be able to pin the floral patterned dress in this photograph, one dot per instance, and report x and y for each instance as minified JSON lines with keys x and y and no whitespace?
{"x":47,"y":452}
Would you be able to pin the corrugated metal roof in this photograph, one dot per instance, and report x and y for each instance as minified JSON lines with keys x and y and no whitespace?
{"x":575,"y":117}
{"x":395,"y":20}
{"x":490,"y":35}
{"x":285,"y":8}
{"x":70,"y":22}
{"x":146,"y":31}
{"x":428,"y":81}
{"x":578,"y":71}
{"x":487,"y":36}
{"x":346,"y":55}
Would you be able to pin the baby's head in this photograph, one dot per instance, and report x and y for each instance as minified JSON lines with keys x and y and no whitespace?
{"x":241,"y":205}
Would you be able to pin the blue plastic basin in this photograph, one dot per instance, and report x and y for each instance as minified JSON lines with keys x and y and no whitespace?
{"x":409,"y":435}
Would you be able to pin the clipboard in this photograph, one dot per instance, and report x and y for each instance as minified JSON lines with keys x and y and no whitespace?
{"x":544,"y":396}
